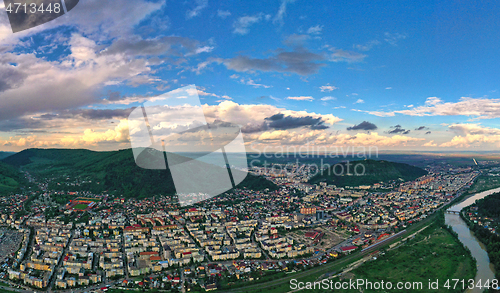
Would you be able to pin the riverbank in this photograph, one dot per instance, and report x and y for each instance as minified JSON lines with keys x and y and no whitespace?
{"x":489,"y":239}
{"x":434,"y":253}
{"x":485,"y":270}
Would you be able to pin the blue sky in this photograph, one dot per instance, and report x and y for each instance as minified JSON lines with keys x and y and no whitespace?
{"x":405,"y":75}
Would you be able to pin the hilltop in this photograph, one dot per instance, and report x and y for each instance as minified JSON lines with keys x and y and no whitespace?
{"x":375,"y":172}
{"x":111,"y":171}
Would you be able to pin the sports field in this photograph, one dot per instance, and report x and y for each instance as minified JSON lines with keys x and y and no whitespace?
{"x":80,"y":206}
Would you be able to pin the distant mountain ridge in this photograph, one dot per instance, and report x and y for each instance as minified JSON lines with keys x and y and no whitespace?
{"x":4,"y":155}
{"x":374,"y":172}
{"x":112,"y":171}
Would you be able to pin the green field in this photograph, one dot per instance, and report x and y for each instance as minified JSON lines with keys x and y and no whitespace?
{"x":432,"y":254}
{"x":80,"y":206}
{"x":484,"y":182}
{"x":7,"y":184}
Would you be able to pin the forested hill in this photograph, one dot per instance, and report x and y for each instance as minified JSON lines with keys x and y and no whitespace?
{"x":112,"y":171}
{"x":11,"y":179}
{"x":373,"y":171}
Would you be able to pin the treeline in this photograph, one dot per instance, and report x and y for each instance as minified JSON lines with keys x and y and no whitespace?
{"x":489,"y":206}
{"x":492,"y":243}
{"x":368,"y":171}
{"x":486,"y":207}
{"x":114,"y":172}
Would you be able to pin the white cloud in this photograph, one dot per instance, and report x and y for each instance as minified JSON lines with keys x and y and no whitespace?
{"x":200,"y":5}
{"x":242,"y":25}
{"x":201,"y":92}
{"x":251,"y":82}
{"x":315,"y":30}
{"x":274,"y":135}
{"x":71,"y":82}
{"x":244,"y":114}
{"x":279,"y":18}
{"x":328,"y":98}
{"x":205,"y":49}
{"x":118,"y":134}
{"x":473,"y":135}
{"x":301,"y":98}
{"x":359,"y":101}
{"x":311,"y":138}
{"x":368,"y":46}
{"x":480,"y":108}
{"x":109,"y":19}
{"x":430,"y":144}
{"x":393,"y":38}
{"x":388,"y":88}
{"x":328,"y":88}
{"x":223,"y":13}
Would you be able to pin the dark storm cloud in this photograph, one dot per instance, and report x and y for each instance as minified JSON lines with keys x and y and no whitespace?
{"x":20,"y":123}
{"x":320,"y":126}
{"x":276,"y":117}
{"x":48,"y":116}
{"x":282,"y":122}
{"x":428,"y":132}
{"x":398,"y":129}
{"x":365,"y":125}
{"x":421,"y":128}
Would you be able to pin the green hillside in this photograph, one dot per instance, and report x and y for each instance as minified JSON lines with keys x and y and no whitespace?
{"x":375,"y":172}
{"x":113,"y":171}
{"x":10,"y":179}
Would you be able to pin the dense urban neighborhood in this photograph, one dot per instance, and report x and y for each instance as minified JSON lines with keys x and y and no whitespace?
{"x":58,"y":240}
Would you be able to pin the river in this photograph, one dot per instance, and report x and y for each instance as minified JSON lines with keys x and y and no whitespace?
{"x":485,"y":269}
